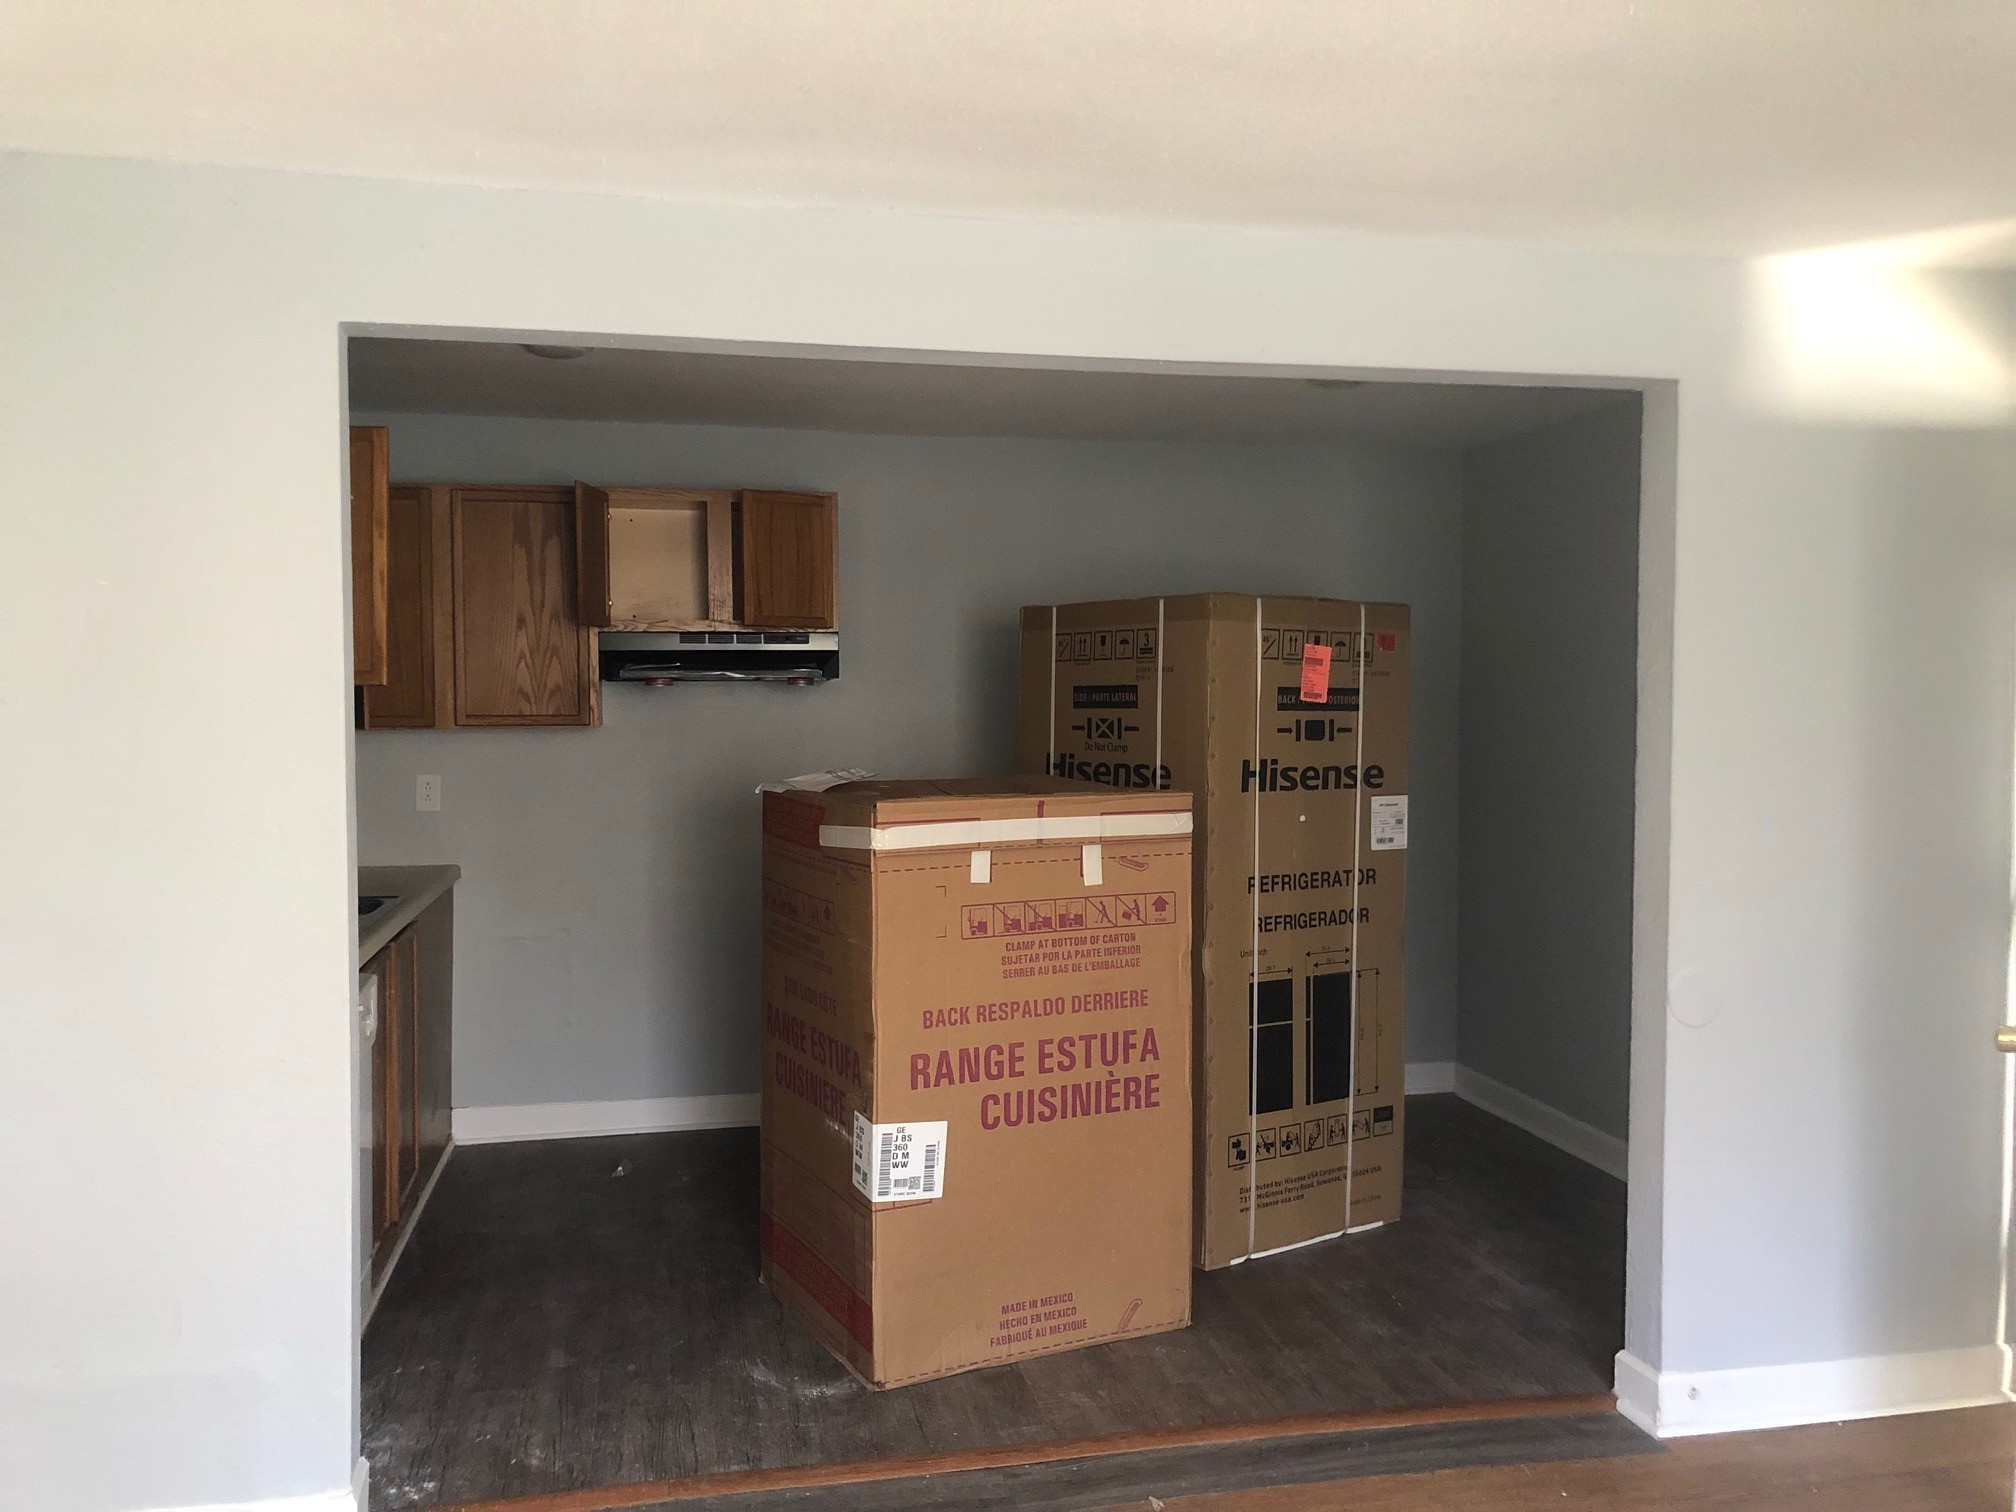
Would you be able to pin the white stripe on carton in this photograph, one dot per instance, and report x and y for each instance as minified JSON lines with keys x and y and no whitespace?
{"x":976,"y":834}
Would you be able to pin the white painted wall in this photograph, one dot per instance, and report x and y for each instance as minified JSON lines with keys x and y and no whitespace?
{"x":606,"y":923}
{"x":1827,"y":637}
{"x":1548,"y":742}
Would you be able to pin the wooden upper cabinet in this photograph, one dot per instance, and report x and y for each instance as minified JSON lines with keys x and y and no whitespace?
{"x":370,"y":469}
{"x":655,"y":558}
{"x":496,"y":593}
{"x":483,"y":628}
{"x":789,"y":560}
{"x":522,"y":654}
{"x":407,"y":698}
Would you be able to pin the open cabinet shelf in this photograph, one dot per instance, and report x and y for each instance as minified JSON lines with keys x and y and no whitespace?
{"x":707,"y":559}
{"x":656,"y":558}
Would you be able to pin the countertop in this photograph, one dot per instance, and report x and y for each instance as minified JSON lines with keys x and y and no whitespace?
{"x":412,"y":888}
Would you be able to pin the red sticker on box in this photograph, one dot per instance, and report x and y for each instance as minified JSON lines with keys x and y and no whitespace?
{"x":1315,"y":674}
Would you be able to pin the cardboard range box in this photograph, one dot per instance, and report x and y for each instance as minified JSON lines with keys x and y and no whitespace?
{"x":976,"y":1068}
{"x":1286,"y":719}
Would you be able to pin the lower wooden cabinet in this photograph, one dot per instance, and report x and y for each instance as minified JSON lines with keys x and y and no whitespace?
{"x":484,"y":627}
{"x":399,"y":1055}
{"x":411,"y":1085}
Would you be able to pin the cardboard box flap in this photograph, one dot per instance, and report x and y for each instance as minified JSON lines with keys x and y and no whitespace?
{"x":964,"y":814}
{"x":1187,"y":607}
{"x":968,"y":791}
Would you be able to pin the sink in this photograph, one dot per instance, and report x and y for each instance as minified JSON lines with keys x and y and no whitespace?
{"x":369,"y":904}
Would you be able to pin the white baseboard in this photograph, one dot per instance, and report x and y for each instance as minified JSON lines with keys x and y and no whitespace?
{"x":1430,"y":1076}
{"x":733,"y":1110}
{"x":581,"y":1120}
{"x":1677,"y":1404}
{"x":1606,"y":1152}
{"x":342,"y":1499}
{"x":1637,"y":1390}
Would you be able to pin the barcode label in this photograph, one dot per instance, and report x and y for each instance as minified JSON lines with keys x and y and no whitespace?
{"x":899,"y":1162}
{"x":1389,"y":823}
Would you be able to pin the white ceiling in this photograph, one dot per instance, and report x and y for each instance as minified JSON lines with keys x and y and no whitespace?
{"x":1679,"y":125}
{"x":389,"y":376}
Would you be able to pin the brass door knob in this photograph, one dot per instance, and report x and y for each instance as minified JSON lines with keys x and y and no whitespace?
{"x":2005,"y":1039}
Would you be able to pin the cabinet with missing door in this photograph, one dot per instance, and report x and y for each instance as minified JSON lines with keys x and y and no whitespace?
{"x":707,"y":559}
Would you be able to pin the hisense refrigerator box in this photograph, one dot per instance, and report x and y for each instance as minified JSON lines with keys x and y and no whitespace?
{"x":976,"y":1068}
{"x":1286,"y":720}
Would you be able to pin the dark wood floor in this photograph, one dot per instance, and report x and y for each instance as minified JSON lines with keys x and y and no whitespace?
{"x":557,"y":1325}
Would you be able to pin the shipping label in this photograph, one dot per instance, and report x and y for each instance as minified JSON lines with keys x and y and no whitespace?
{"x":1315,"y":672}
{"x":899,"y":1162}
{"x":1389,"y":822}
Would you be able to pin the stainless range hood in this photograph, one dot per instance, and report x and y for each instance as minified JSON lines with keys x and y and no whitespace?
{"x":660,"y":657}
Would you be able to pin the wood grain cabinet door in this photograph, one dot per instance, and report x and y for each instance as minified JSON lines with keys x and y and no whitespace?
{"x":522,"y":654}
{"x":404,"y":1114}
{"x":790,"y":560}
{"x":395,"y":1092}
{"x":370,"y":465}
{"x":384,"y":1210}
{"x":407,"y":698}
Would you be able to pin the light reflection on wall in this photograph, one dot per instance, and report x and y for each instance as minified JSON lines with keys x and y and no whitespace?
{"x":1902,"y":332}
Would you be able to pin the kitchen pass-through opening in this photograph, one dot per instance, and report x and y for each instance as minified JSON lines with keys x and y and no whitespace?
{"x":572,"y":1297}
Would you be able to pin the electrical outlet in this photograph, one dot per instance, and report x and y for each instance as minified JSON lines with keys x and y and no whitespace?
{"x":427,"y":795}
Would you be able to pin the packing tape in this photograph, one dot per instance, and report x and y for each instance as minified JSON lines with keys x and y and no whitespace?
{"x":976,"y":834}
{"x":1091,"y":865}
{"x":1161,"y":635}
{"x":1357,"y":871}
{"x":1253,"y":987}
{"x":1050,"y":740}
{"x":982,"y":869}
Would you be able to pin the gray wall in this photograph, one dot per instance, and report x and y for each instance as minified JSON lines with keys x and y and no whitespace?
{"x":1818,"y":1148}
{"x":606,"y":928}
{"x":1548,"y":736}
